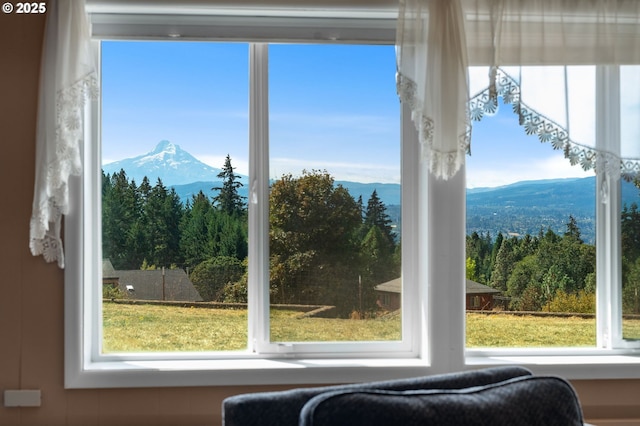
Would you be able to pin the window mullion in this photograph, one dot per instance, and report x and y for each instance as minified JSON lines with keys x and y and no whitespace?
{"x":608,"y":194}
{"x":445,"y":270}
{"x":258,"y":284}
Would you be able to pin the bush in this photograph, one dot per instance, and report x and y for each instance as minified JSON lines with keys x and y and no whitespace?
{"x":212,"y":276}
{"x":580,"y":303}
{"x":110,"y":292}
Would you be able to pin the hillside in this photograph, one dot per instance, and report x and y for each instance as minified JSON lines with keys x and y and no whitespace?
{"x":527,"y":207}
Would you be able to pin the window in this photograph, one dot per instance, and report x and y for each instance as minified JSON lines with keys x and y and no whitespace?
{"x":318,"y":132}
{"x":531,"y":231}
{"x":430,"y":334}
{"x":173,"y":120}
{"x":178,"y":229}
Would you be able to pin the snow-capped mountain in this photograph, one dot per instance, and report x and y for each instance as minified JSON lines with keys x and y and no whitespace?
{"x":168,"y":162}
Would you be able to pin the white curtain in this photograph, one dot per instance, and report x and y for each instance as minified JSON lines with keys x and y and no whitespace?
{"x":541,"y":56}
{"x":432,"y":62}
{"x":67,"y":79}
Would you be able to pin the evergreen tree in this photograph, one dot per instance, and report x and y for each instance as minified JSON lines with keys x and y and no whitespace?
{"x":228,"y":200}
{"x":120,"y":211}
{"x":194,"y":241}
{"x":163,"y":212}
{"x":376,"y":215}
{"x":505,"y":262}
{"x":573,"y":231}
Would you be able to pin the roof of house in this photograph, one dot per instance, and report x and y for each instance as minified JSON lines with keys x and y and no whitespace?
{"x":148,"y":284}
{"x":107,"y":269}
{"x":471,"y":287}
{"x":393,"y":286}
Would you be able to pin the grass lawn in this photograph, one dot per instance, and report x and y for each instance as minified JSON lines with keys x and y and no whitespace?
{"x":141,"y":328}
{"x":500,"y":331}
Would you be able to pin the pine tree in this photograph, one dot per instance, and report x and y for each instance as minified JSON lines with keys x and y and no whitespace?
{"x":119,"y":215}
{"x":194,"y":241}
{"x":228,"y":200}
{"x":376,"y":215}
{"x":573,"y":231}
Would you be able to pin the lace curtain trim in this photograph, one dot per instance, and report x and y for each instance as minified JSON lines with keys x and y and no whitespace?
{"x":547,"y":131}
{"x":446,"y":163}
{"x":69,"y":135}
{"x":442,"y":164}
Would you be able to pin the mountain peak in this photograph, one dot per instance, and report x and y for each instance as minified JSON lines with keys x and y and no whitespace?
{"x":165,"y":146}
{"x":167,"y":161}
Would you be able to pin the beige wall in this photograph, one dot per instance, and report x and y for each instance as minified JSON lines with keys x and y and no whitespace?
{"x":31,"y":291}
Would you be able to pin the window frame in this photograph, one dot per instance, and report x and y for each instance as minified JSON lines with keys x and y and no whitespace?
{"x":433,"y":258}
{"x":86,"y":366}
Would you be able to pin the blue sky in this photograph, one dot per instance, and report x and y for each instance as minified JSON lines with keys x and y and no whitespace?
{"x":331,"y":107}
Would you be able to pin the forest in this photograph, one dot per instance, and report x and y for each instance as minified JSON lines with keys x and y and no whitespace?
{"x":325,"y":247}
{"x":328,"y":248}
{"x":553,"y":272}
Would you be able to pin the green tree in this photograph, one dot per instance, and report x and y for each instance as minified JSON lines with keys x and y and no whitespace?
{"x":631,"y":289}
{"x":479,"y":250}
{"x":376,"y":215}
{"x":313,"y":250}
{"x":470,"y":269}
{"x":525,"y":273}
{"x":506,"y":260}
{"x":163,"y":212}
{"x":194,"y":240}
{"x":120,"y":212}
{"x":573,"y":231}
{"x":228,"y":200}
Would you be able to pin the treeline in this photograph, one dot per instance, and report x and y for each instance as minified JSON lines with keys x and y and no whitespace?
{"x":542,"y":272}
{"x":325,"y":247}
{"x":553,"y":272}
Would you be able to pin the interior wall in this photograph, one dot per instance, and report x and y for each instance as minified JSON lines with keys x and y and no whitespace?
{"x":31,"y":292}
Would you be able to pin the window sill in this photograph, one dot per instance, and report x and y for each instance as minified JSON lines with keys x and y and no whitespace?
{"x":572,"y":367}
{"x":246,"y":372}
{"x":178,"y":373}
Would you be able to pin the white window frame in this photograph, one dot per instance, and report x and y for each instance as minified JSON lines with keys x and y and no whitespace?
{"x":87,"y":366}
{"x":433,"y":214}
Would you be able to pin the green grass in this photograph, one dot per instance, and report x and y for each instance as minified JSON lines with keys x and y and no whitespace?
{"x":287,"y":328}
{"x":499,"y":331}
{"x":142,"y":328}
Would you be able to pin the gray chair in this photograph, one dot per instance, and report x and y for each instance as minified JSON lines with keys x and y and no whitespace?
{"x":494,"y":396}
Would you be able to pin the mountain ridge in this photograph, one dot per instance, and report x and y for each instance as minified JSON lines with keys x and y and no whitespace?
{"x":514,"y":209}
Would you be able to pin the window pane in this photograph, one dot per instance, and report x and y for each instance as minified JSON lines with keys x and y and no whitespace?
{"x":630,"y":217}
{"x":335,"y":193}
{"x":530,"y":263}
{"x":174,"y":222}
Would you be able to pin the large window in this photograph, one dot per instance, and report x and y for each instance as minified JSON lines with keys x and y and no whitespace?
{"x":323,"y":268}
{"x":175,"y":219}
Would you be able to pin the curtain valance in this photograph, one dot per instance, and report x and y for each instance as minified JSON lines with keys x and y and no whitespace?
{"x":546,"y":41}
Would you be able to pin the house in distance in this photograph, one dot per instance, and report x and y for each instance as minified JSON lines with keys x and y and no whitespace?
{"x":158,"y":284}
{"x":478,"y":296}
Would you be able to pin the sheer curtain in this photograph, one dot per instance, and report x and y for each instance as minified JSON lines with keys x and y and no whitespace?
{"x":541,"y":56}
{"x":67,"y":79}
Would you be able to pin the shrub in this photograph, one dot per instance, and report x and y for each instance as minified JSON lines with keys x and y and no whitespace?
{"x":212,"y":276}
{"x":580,"y":303}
